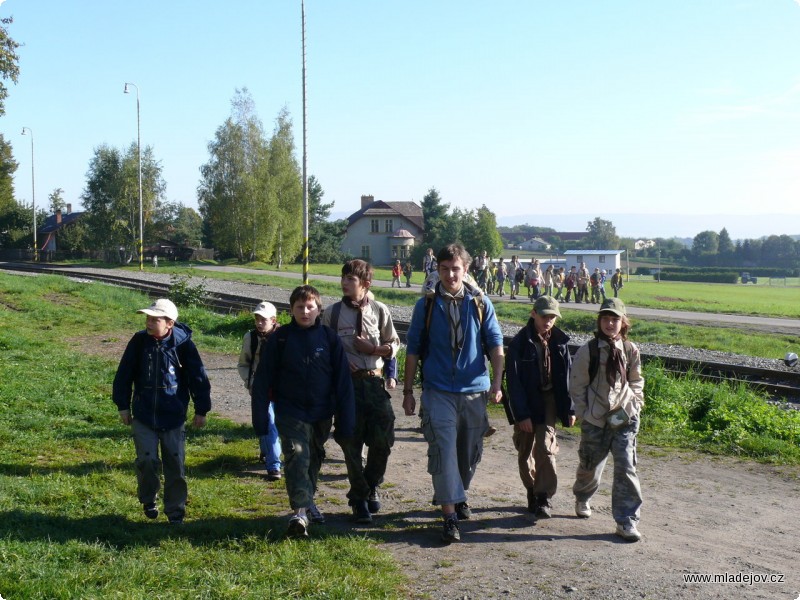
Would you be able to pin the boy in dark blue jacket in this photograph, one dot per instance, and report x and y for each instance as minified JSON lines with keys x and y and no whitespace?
{"x":537,"y":378}
{"x":304,"y":371}
{"x":162,"y":367}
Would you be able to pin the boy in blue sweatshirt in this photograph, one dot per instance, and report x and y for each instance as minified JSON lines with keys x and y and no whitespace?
{"x":304,"y":371}
{"x":162,"y":367}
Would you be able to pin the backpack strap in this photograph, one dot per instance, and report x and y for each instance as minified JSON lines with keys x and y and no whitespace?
{"x":335,"y":310}
{"x":253,"y":349}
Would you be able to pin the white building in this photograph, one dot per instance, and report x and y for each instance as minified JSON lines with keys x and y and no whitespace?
{"x":609,"y":260}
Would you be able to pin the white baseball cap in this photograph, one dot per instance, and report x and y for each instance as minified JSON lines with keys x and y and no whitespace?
{"x":266,"y":310}
{"x":161,"y":308}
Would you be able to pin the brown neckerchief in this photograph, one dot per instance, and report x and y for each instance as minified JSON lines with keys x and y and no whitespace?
{"x":358,"y":306}
{"x":616,"y":361}
{"x":547,"y":365}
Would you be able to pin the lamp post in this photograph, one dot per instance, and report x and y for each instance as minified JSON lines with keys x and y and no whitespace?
{"x":33,"y":197}
{"x":139,"y":154}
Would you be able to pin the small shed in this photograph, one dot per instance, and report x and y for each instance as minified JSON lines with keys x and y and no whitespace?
{"x":603,"y":259}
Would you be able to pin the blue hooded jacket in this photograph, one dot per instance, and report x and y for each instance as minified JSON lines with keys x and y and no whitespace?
{"x":162,"y":374}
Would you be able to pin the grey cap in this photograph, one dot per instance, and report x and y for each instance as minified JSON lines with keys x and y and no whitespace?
{"x":613,"y":305}
{"x":546,"y":305}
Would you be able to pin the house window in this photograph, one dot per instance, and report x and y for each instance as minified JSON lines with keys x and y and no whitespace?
{"x":399,"y":251}
{"x":365,"y":251}
{"x":373,"y":226}
{"x":602,"y":258}
{"x":579,"y":258}
{"x":388,"y":226}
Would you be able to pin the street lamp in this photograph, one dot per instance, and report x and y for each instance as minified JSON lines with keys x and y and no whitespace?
{"x":33,"y":196}
{"x":139,"y":153}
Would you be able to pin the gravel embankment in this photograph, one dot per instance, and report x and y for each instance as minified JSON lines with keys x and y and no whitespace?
{"x":403,"y":313}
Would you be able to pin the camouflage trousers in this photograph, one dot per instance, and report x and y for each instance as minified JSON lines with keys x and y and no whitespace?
{"x":375,"y":430}
{"x":596,"y":443}
{"x":303,"y":452}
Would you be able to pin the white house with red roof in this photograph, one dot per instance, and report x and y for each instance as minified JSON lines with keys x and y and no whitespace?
{"x":382,"y":232}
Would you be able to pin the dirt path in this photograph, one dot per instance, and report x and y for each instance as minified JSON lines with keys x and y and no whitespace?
{"x":701,"y":515}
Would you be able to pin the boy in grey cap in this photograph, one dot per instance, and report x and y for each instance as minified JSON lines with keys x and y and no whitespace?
{"x":537,"y":375}
{"x":265,"y":317}
{"x":607,"y":386}
{"x":162,"y":367}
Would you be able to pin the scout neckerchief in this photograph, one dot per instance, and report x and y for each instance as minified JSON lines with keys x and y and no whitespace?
{"x":453,"y":306}
{"x":358,"y":306}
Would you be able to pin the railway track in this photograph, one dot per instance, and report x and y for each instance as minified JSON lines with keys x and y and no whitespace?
{"x":778,"y":384}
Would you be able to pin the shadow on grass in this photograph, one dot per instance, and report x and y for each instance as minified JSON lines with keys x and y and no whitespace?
{"x":121,"y":532}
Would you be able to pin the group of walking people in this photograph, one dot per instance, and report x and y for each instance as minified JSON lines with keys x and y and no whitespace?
{"x":326,"y":368}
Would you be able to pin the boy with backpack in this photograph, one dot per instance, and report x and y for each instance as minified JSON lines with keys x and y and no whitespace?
{"x":162,"y":368}
{"x":303,"y":371}
{"x":265,"y":316}
{"x":537,"y":379}
{"x":365,"y":328}
{"x":607,"y":387}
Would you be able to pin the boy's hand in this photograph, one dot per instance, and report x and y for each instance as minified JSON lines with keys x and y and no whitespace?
{"x":391,"y":383}
{"x":409,"y":403}
{"x":199,"y":421}
{"x":526,"y":425}
{"x":363,"y":345}
{"x":125,"y":417}
{"x":572,"y":420}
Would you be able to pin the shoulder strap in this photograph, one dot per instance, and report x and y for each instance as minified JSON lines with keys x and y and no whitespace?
{"x":594,"y":358}
{"x":335,"y":310}
{"x":376,"y":308}
{"x":253,"y":348}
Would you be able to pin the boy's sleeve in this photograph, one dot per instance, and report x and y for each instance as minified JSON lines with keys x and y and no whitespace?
{"x":414,"y":335}
{"x":635,"y":379}
{"x":123,"y":380}
{"x":262,"y":380}
{"x":492,"y":334}
{"x":518,"y":399}
{"x":197,"y":378}
{"x":245,"y":358}
{"x":579,"y":381}
{"x":343,"y":388}
{"x":389,"y":335}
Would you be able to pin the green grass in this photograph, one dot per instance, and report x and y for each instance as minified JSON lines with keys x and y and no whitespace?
{"x":72,"y":527}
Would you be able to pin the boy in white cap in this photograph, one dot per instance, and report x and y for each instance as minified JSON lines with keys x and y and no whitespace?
{"x":265,"y":316}
{"x":162,"y":367}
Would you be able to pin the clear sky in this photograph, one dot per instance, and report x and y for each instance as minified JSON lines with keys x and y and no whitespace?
{"x":667,"y":118}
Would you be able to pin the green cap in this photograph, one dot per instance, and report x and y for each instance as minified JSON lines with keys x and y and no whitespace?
{"x":613,"y":305}
{"x":546,"y":305}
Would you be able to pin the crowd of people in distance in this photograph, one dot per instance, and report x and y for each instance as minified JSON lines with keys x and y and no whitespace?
{"x":346,"y":358}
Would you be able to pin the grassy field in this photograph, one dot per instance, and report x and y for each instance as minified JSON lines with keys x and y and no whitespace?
{"x":72,"y":526}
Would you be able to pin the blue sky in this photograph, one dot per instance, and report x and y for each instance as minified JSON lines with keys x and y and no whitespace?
{"x":667,"y":118}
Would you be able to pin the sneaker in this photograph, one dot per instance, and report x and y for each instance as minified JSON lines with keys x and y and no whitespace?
{"x":490,"y":432}
{"x":582,"y":509}
{"x":451,"y":532}
{"x":176,"y":521}
{"x":544,"y":510}
{"x":628,"y":532}
{"x":374,"y":501}
{"x":274,"y":475}
{"x":532,"y":505}
{"x":463,"y":511}
{"x":150,"y":510}
{"x":315,"y":514}
{"x":361,"y":511}
{"x":298,"y":527}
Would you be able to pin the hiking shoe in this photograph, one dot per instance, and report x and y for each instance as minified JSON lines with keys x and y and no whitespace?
{"x":274,"y":475}
{"x":544,"y":510}
{"x":374,"y":501}
{"x":150,"y":510}
{"x":628,"y":532}
{"x":176,"y":521}
{"x":315,"y":515}
{"x":463,"y":511}
{"x":298,"y":527}
{"x":451,"y":533}
{"x":490,"y":432}
{"x":361,"y":511}
{"x":582,"y":509}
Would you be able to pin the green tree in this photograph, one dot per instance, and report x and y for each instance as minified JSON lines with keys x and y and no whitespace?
{"x":286,"y":187}
{"x":178,"y":223}
{"x":479,"y":231}
{"x":434,"y":214}
{"x":325,"y":237}
{"x":8,"y":166}
{"x":705,"y":244}
{"x":725,"y":246}
{"x":57,"y":203}
{"x":9,"y":61}
{"x":250,"y":194}
{"x":602,"y":235}
{"x":111,"y":197}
